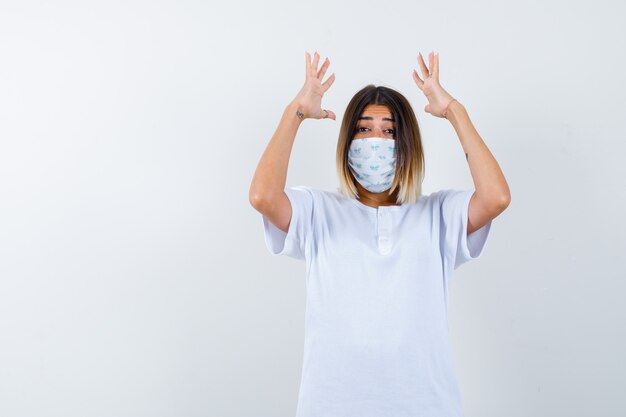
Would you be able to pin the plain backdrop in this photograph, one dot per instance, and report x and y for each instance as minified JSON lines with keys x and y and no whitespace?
{"x":134,"y":278}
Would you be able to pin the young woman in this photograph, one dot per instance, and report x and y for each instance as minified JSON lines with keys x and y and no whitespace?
{"x":379,"y":255}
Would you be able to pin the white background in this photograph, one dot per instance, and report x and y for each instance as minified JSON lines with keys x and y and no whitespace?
{"x":134,"y":278}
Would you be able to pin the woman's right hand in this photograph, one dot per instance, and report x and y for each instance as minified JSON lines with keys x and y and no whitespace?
{"x":309,"y":99}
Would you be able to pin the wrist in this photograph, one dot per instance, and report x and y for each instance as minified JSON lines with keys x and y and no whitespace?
{"x":292,"y":111}
{"x":453,"y":110}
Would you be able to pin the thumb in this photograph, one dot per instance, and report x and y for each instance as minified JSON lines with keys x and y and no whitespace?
{"x":427,"y":108}
{"x":331,"y":114}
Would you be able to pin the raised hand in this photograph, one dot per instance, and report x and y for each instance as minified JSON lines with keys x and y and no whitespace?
{"x":438,"y":98}
{"x":309,"y":98}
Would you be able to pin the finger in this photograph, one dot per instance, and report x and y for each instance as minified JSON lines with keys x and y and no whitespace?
{"x":331,"y":115}
{"x":329,"y":82}
{"x":308,"y":64}
{"x":417,"y":79}
{"x":436,"y":65}
{"x":316,"y":59}
{"x":320,"y":75}
{"x":430,"y":62}
{"x":420,"y":60}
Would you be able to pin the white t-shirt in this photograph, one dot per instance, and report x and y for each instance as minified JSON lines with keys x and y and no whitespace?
{"x":377,"y":281}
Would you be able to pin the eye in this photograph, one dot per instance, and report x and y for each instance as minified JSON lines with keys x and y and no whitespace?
{"x":363,"y":129}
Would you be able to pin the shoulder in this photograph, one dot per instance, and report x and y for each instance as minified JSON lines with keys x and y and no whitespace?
{"x":314,"y":195}
{"x":305,"y":190}
{"x":454,"y":203}
{"x":449,"y":194}
{"x":430,"y":199}
{"x":319,"y":198}
{"x":317,"y":192}
{"x":444,"y":192}
{"x":445,"y":200}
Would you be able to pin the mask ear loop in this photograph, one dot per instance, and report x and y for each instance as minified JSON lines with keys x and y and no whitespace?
{"x":395,"y":182}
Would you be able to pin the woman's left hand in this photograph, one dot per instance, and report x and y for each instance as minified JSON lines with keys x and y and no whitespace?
{"x":438,"y":98}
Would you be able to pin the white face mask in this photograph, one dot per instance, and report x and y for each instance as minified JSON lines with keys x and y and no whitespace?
{"x":373,"y":162}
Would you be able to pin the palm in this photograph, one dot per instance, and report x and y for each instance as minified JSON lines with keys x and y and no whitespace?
{"x":310,"y":96}
{"x":438,"y":98}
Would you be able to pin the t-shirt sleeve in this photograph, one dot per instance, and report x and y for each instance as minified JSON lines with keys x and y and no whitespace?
{"x":459,"y":246}
{"x":295,"y":241}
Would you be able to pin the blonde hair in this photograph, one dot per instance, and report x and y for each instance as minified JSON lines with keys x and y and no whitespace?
{"x":410,"y":164}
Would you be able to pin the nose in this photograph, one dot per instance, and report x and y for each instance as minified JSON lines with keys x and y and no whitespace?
{"x":379,"y":132}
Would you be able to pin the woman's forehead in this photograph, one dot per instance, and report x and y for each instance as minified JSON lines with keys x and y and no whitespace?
{"x":376,"y":111}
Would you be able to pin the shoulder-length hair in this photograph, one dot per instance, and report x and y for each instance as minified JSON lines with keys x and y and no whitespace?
{"x":410,"y":164}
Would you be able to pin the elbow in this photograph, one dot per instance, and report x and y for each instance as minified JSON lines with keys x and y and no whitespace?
{"x":259,"y":199}
{"x":504,"y":201}
{"x":262,"y":196}
{"x":256,"y":199}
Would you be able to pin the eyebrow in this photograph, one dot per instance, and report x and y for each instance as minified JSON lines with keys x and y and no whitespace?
{"x":371,"y":118}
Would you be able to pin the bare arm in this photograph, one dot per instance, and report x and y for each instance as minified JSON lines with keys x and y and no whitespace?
{"x":267,"y":191}
{"x":492,"y":195}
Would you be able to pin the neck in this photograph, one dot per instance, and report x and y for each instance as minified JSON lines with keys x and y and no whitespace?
{"x":376,"y":199}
